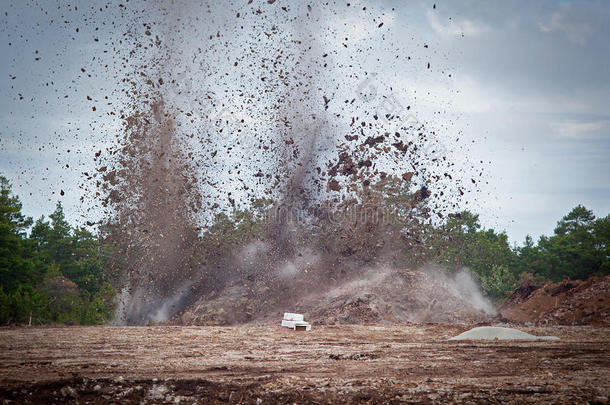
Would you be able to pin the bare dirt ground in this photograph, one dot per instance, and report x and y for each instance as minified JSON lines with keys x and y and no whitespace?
{"x":330,"y":364}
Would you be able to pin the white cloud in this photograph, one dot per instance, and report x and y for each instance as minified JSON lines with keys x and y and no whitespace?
{"x":578,"y":33}
{"x":582,"y":129}
{"x":472,"y":97}
{"x":456,"y":27}
{"x":464,"y":94}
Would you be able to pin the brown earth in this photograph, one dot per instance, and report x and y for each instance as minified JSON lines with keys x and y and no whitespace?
{"x":564,"y":303}
{"x":374,"y":297}
{"x":330,"y":364}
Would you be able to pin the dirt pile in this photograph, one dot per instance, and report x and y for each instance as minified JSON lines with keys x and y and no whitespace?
{"x":564,"y":303}
{"x":377,"y":296}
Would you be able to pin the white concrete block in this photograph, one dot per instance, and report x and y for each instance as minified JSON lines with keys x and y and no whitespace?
{"x":289,"y":316}
{"x":294,"y":323}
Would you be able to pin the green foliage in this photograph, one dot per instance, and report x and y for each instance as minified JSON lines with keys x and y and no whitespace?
{"x":100,"y":306}
{"x":11,"y":217}
{"x":500,"y":281}
{"x":17,"y":266}
{"x":486,"y":253}
{"x":56,"y":272}
{"x":15,"y":306}
{"x":578,"y":249}
{"x":601,"y":232}
{"x":229,"y":232}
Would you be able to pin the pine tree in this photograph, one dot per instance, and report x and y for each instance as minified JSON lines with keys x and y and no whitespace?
{"x":16,"y":264}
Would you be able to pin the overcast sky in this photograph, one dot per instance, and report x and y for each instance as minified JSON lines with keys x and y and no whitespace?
{"x":529,"y":84}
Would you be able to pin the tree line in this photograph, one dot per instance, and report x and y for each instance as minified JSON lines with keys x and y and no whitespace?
{"x":52,"y":272}
{"x":578,"y":249}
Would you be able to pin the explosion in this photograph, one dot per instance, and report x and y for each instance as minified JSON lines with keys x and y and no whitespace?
{"x":258,"y":123}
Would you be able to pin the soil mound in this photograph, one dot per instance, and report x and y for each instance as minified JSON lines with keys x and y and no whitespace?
{"x":564,"y":303}
{"x":498,"y":333}
{"x":402,"y":296}
{"x":380,"y":296}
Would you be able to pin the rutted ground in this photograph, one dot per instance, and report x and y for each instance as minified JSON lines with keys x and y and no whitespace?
{"x":330,"y":364}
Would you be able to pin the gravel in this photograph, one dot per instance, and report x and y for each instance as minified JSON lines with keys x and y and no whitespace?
{"x":498,"y":333}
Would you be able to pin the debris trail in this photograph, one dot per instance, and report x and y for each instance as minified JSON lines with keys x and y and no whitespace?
{"x":229,"y":108}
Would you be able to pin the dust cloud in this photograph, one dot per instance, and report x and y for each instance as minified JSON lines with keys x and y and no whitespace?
{"x":226,"y":105}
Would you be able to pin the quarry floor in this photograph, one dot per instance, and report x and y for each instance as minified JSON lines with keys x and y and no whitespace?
{"x":330,"y":364}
